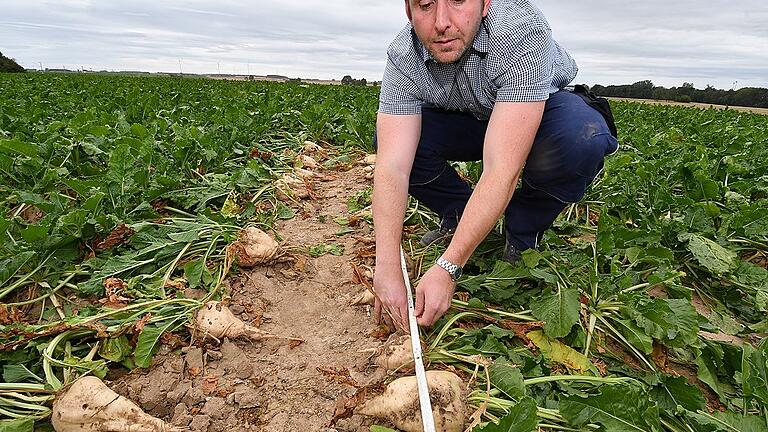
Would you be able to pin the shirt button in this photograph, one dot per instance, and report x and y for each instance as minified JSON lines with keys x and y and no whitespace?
{"x":464,"y":86}
{"x":471,"y":105}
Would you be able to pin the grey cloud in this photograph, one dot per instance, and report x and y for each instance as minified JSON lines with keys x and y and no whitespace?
{"x":668,"y":42}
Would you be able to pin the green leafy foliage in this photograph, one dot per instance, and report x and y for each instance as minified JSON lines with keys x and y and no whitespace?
{"x":754,"y":373}
{"x":521,"y":418}
{"x":727,"y":422}
{"x":558,"y":309}
{"x":669,"y":393}
{"x":617,"y":408}
{"x":507,"y":378}
{"x":17,"y":425}
{"x":709,"y":254}
{"x":672,"y":321}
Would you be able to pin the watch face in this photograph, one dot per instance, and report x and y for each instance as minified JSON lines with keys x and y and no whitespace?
{"x":457,"y":274}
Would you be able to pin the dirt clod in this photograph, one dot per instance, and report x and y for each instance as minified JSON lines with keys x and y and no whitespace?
{"x":200,"y":423}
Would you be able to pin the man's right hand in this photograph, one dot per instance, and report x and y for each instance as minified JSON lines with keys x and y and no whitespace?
{"x":391,"y":302}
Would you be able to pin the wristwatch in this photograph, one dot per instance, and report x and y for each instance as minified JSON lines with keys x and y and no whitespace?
{"x":454,"y":270}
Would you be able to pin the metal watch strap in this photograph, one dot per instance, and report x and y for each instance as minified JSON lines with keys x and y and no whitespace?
{"x":453,"y":269}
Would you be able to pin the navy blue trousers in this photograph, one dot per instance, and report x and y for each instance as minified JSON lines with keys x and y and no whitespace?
{"x":567,"y":154}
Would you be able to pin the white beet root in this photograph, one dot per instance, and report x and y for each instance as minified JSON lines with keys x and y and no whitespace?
{"x":88,"y":405}
{"x":400,"y":403}
{"x":365,"y":297}
{"x":309,"y":162}
{"x":305,"y":174}
{"x":396,"y":354}
{"x":215,"y":319}
{"x":290,"y":186}
{"x":310,"y":147}
{"x":254,"y":247}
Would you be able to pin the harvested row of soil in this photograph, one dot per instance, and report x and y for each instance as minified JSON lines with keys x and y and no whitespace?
{"x":278,"y":384}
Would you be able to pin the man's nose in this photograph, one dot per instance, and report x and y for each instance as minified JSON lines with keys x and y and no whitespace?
{"x":442,"y":17}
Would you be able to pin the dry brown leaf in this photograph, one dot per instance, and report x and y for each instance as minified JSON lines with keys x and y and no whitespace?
{"x":339,"y":375}
{"x":210,"y":384}
{"x":117,"y":236}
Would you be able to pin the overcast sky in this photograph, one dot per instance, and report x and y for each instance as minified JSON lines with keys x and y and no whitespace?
{"x":723,"y":43}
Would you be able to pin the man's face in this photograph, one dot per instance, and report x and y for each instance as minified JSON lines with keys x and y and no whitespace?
{"x":446,"y":27}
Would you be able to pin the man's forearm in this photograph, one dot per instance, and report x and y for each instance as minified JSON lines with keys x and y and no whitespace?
{"x":487,"y":203}
{"x":398,"y":137}
{"x":390,"y":198}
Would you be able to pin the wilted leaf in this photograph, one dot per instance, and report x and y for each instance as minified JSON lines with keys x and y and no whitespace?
{"x":558,"y":352}
{"x":115,"y":349}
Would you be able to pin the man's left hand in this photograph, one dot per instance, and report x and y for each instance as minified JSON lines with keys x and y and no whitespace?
{"x":433,"y":295}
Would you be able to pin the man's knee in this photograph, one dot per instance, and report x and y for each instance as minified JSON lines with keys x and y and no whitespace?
{"x":588,"y":161}
{"x":570,"y":155}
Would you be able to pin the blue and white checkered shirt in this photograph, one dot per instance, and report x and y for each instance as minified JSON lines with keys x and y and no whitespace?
{"x":513,"y":58}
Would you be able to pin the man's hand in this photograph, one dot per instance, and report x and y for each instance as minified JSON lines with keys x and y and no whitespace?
{"x":391,"y":302}
{"x":433,"y":295}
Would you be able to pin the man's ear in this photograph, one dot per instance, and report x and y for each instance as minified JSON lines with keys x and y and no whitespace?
{"x":486,"y":5}
{"x":408,"y":9}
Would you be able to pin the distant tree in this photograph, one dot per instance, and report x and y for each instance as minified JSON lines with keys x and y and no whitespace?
{"x":9,"y":64}
{"x":747,"y":96}
{"x":348,"y":80}
{"x":642,"y":89}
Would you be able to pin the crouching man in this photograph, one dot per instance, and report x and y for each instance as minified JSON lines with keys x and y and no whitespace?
{"x":470,"y":80}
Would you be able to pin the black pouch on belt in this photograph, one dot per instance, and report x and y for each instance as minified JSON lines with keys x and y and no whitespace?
{"x":599,"y":103}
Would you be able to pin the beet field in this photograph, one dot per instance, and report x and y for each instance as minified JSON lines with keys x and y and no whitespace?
{"x":193,"y":254}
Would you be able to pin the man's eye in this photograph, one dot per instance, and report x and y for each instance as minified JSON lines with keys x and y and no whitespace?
{"x":425,"y":5}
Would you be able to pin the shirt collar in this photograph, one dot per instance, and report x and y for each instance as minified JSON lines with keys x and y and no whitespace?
{"x":480,"y":44}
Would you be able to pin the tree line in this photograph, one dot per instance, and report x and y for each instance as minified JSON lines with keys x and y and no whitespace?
{"x":747,"y":96}
{"x":348,"y":80}
{"x":9,"y":64}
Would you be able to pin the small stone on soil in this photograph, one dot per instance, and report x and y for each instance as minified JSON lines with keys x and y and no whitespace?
{"x":200,"y":423}
{"x":194,"y":396}
{"x":247,"y":400}
{"x":179,"y":391}
{"x":244,"y":370}
{"x":180,"y":416}
{"x":194,"y":358}
{"x":214,"y":407}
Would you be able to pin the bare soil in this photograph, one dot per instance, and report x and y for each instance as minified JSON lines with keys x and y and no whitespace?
{"x":275,"y":385}
{"x":763,"y":111}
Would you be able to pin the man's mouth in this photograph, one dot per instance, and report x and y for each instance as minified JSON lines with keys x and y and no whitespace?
{"x":444,"y":43}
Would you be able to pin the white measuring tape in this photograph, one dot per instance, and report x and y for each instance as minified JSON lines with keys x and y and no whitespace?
{"x":421,"y":376}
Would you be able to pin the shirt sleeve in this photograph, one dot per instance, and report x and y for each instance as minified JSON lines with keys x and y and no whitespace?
{"x":399,"y":94}
{"x":527,"y":69}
